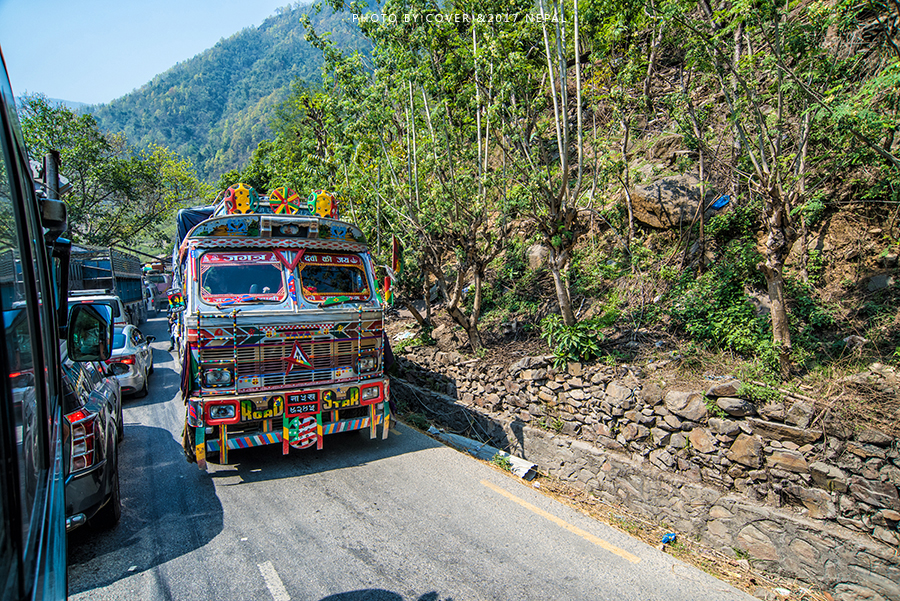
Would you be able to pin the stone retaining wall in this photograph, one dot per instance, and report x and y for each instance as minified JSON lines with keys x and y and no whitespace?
{"x":807,"y":497}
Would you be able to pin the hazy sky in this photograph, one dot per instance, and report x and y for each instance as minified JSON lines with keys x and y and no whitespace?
{"x":94,"y":51}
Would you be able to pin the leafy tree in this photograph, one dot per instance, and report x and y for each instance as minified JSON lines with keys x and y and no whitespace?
{"x":779,"y":90}
{"x":119,"y":194}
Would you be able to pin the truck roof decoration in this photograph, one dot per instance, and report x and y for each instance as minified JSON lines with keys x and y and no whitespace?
{"x":284,"y":201}
{"x":282,"y":215}
{"x":241,"y":199}
{"x":324,"y":204}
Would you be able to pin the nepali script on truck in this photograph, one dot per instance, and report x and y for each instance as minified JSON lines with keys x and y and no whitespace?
{"x":279,"y":324}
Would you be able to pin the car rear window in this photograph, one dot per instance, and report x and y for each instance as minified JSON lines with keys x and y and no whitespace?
{"x":118,"y":340}
{"x":114,"y":307}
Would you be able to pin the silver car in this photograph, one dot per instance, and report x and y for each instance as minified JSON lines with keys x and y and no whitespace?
{"x":132,"y":359}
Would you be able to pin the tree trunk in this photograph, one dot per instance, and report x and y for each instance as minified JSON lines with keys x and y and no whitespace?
{"x":562,"y":289}
{"x":781,"y":333}
{"x":415,"y":313}
{"x":470,"y":326}
{"x":778,"y":245}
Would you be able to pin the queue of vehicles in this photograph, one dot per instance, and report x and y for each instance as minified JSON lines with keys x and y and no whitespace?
{"x":278,"y":323}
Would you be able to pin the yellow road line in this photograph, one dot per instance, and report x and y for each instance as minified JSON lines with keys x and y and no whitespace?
{"x":563,"y":524}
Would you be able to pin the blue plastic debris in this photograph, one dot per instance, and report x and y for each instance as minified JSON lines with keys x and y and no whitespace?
{"x":720,"y":202}
{"x":668,"y":538}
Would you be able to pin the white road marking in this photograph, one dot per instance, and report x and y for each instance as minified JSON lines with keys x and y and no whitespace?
{"x":273,"y":582}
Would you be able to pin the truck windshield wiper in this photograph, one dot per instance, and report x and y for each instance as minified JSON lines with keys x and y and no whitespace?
{"x":340,"y":300}
{"x":248,"y":300}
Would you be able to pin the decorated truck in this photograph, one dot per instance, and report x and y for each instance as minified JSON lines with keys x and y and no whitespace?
{"x":279,"y":324}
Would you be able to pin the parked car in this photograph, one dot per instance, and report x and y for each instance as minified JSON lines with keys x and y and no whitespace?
{"x":132,"y":359}
{"x":93,"y":409}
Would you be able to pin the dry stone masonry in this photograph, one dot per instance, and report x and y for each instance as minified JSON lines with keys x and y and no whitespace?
{"x":805,"y":496}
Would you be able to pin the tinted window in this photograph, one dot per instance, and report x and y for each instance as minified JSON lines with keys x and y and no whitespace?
{"x":114,"y":307}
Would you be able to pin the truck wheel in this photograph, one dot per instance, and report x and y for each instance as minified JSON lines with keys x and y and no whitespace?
{"x":187,"y":443}
{"x":110,"y":514}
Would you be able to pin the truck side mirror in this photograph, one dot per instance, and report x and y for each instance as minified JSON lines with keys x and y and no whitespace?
{"x":90,"y":333}
{"x":53,"y":218}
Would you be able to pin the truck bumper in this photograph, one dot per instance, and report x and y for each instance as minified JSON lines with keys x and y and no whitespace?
{"x":291,"y":420}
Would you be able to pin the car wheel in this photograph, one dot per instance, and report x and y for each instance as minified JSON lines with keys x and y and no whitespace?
{"x":146,"y":389}
{"x":110,"y":514}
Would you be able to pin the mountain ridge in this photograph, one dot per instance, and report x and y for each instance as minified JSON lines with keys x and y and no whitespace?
{"x":215,"y":108}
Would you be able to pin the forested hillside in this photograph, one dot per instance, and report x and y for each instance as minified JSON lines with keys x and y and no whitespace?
{"x":215,"y":108}
{"x":587,"y":172}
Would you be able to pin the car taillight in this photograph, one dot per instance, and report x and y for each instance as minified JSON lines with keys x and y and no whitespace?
{"x":82,"y":437}
{"x":126,"y":359}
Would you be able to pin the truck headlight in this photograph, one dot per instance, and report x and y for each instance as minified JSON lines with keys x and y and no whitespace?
{"x":366,"y":364}
{"x":218,"y":412}
{"x":371,"y":392}
{"x":220,"y":376}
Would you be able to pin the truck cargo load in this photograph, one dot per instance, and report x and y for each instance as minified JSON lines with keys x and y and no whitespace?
{"x":108,"y":270}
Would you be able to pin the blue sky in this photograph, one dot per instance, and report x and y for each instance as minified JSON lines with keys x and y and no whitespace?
{"x":94,"y":51}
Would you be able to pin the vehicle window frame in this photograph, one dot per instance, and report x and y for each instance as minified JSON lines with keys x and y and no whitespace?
{"x":29,"y":524}
{"x":345,"y":261}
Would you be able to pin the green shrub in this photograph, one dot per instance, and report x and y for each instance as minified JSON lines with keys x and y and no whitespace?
{"x":714,"y":309}
{"x":580,"y":342}
{"x":591,"y":270}
{"x":418,"y":420}
{"x":738,"y":222}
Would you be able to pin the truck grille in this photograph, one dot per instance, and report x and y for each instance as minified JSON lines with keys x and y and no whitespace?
{"x":267,"y":361}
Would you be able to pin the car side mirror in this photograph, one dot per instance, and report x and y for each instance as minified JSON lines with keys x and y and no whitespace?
{"x":151,"y":338}
{"x":90,"y":333}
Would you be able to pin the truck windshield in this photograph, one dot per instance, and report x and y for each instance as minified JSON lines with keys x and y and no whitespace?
{"x":327,"y":275}
{"x":236,"y":275}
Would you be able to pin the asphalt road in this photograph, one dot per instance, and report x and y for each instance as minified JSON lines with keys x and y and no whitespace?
{"x":402,"y":519}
